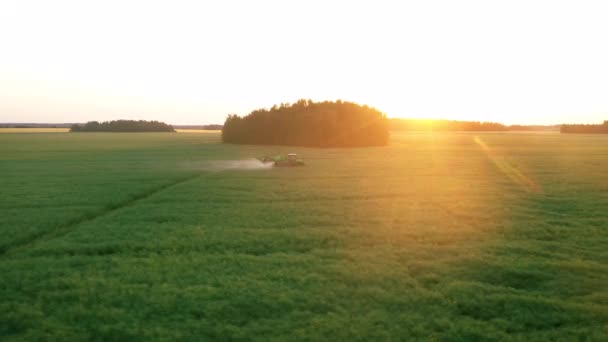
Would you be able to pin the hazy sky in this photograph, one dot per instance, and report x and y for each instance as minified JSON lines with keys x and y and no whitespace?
{"x":196,"y":61}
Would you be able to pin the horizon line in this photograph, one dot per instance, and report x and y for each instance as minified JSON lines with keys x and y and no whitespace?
{"x":390,"y":118}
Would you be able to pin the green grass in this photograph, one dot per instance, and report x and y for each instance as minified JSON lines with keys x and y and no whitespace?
{"x":435,"y":237}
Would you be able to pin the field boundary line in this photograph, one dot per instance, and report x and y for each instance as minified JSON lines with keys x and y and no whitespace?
{"x":66,"y":227}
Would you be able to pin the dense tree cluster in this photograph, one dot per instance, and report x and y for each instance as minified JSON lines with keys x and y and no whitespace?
{"x":603,"y":128}
{"x":123,"y":126}
{"x":443,"y":125}
{"x":308,"y":123}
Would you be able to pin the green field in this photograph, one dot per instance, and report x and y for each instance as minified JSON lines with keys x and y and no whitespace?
{"x":157,"y":236}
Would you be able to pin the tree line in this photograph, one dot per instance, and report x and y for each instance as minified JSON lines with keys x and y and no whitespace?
{"x":35,"y":125}
{"x":443,"y":125}
{"x":308,"y":123}
{"x":205,"y":127}
{"x":122,"y":126}
{"x":603,"y":128}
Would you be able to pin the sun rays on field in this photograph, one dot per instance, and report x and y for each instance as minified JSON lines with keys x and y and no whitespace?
{"x":515,"y":175}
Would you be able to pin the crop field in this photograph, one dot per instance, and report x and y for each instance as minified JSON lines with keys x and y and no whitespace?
{"x":173,"y":236}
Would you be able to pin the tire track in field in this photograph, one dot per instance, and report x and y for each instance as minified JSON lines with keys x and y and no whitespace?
{"x":66,"y":227}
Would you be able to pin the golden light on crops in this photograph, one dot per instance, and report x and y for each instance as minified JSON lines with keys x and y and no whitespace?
{"x":515,"y":175}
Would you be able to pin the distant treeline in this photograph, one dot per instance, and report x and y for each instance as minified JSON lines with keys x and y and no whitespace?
{"x":206,"y":127}
{"x":441,"y":125}
{"x":35,"y":125}
{"x":308,"y":123}
{"x":603,"y":128}
{"x":533,"y":128}
{"x":122,"y":126}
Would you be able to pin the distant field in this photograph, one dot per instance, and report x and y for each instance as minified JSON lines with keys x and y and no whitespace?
{"x":451,"y":236}
{"x":34,"y":130}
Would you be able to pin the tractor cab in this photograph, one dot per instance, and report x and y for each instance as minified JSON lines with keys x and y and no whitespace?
{"x":289,"y":161}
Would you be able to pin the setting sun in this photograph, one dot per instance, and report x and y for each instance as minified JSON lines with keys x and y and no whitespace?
{"x":192,"y":62}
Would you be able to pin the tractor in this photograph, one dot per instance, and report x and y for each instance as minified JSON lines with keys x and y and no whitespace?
{"x":291,"y":160}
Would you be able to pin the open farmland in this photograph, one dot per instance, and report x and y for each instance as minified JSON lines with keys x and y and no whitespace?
{"x":453,"y":236}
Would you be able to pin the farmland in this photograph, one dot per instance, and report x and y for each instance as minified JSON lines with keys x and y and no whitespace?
{"x":156,"y":236}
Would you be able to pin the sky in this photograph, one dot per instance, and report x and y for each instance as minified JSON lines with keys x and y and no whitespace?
{"x":194,"y":62}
